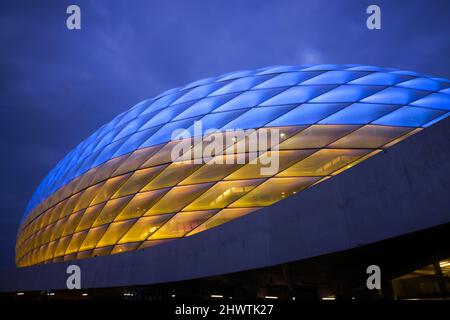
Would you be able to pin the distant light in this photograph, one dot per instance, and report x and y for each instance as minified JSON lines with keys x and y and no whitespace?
{"x":329,"y":298}
{"x":216,"y":296}
{"x":84,"y":294}
{"x":271,"y":297}
{"x":128,"y":294}
{"x":282,"y":135}
{"x":20,"y":293}
{"x":50,"y":293}
{"x":293,"y":298}
{"x":173,"y":296}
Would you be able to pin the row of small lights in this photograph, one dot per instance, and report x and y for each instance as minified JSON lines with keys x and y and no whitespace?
{"x":216,"y":296}
{"x":48,"y":293}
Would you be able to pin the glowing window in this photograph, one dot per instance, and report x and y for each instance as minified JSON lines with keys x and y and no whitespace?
{"x":125,"y":247}
{"x":317,"y":136}
{"x":273,"y":190}
{"x":324,"y":162}
{"x":181,"y":224}
{"x":164,"y":155}
{"x":216,"y":169}
{"x":140,"y":203}
{"x":72,"y":223}
{"x":59,"y":227}
{"x":222,"y":194}
{"x":285,"y":158}
{"x":103,"y":251}
{"x":87,"y":196}
{"x":93,"y":237}
{"x":138,"y":180}
{"x":144,"y":227}
{"x":222,"y":217}
{"x":89,"y":216}
{"x":370,"y":136}
{"x":106,"y":170}
{"x":109,"y":188}
{"x":62,"y":246}
{"x":111,"y":210}
{"x":136,"y":159}
{"x":177,"y":198}
{"x":115,"y":231}
{"x":69,"y":205}
{"x":75,"y":242}
{"x":173,"y":174}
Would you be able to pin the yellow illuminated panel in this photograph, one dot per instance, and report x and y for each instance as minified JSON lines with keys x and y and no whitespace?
{"x":273,"y":190}
{"x":222,"y":217}
{"x":89,"y":216}
{"x":136,"y":159}
{"x":72,"y":223}
{"x":173,"y":174}
{"x":120,"y":248}
{"x":109,"y":188}
{"x":62,"y":246}
{"x":286,"y":158}
{"x":222,"y":194}
{"x":115,"y":231}
{"x":138,"y":180}
{"x":76,"y":241}
{"x":177,"y":198}
{"x":87,"y":197}
{"x":316,"y":136}
{"x":111,"y":210}
{"x":93,"y":237}
{"x":162,"y":156}
{"x":181,"y":224}
{"x":216,"y":169}
{"x":370,"y":136}
{"x":103,"y":251}
{"x":140,"y":204}
{"x":324,"y":162}
{"x":144,"y":227}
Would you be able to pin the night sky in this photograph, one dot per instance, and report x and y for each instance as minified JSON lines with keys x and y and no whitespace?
{"x":58,"y":86}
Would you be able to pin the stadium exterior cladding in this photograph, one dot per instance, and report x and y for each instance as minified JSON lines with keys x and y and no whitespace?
{"x":119,"y":190}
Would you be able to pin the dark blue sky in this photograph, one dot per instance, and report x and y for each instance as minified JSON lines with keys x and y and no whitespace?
{"x":58,"y":86}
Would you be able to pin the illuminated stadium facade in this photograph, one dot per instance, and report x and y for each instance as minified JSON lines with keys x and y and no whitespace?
{"x":149,"y":211}
{"x":120,"y":190}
